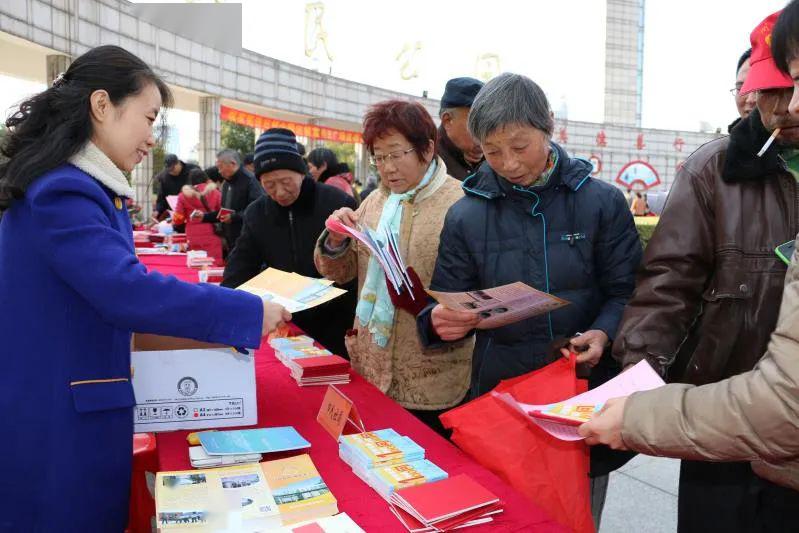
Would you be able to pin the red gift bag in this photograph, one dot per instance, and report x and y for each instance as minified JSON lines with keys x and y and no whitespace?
{"x":550,"y":472}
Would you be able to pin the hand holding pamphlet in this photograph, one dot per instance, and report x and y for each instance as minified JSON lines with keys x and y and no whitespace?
{"x":562,"y":418}
{"x":384,"y":247}
{"x":500,"y":306}
{"x":291,"y":290}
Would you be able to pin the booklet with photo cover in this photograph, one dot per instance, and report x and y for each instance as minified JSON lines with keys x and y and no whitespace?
{"x":234,"y":498}
{"x":500,"y":306}
{"x":300,"y":492}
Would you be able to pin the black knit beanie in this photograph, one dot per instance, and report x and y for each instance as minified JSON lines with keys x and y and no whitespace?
{"x":277,"y":149}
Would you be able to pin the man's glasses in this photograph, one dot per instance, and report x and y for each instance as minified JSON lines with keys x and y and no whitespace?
{"x":391,"y":157}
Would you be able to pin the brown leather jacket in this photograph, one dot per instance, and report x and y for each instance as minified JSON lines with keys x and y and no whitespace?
{"x":708,"y":293}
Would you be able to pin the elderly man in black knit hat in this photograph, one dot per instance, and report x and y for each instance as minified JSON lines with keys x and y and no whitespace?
{"x":280,"y":230}
{"x":456,"y":146}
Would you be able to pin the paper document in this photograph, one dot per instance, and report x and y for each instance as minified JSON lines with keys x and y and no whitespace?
{"x":234,"y":498}
{"x":292,"y":291}
{"x":639,"y":378}
{"x":500,"y":306}
{"x":384,"y":247}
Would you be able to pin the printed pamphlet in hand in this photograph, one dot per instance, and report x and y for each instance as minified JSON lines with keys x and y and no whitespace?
{"x":500,"y":306}
{"x":384,"y":246}
{"x":291,"y":290}
{"x":562,"y":418}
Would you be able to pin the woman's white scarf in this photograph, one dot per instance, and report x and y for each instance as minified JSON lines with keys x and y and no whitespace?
{"x":96,"y":164}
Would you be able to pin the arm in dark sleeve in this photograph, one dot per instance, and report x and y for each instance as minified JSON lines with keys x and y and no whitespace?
{"x":161,"y":205}
{"x":455,"y":271}
{"x":678,"y":263}
{"x":617,"y":257}
{"x":254,"y":191}
{"x":79,"y":243}
{"x":211,"y":216}
{"x":247,"y":258}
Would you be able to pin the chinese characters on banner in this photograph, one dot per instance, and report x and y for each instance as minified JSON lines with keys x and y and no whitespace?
{"x":310,"y":131}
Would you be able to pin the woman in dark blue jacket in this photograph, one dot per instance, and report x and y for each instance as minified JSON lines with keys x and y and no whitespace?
{"x":533,"y":214}
{"x":72,"y":291}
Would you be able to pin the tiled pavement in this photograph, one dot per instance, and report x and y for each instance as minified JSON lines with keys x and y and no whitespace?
{"x":642,"y":497}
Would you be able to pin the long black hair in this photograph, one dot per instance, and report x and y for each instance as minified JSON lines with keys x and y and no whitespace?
{"x":52,"y":126}
{"x":784,"y":37}
{"x":320,"y":156}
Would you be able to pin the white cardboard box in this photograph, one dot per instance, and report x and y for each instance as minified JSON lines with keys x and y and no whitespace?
{"x":199,"y":388}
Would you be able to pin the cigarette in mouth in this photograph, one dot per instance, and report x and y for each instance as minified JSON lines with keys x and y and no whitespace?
{"x":768,"y":142}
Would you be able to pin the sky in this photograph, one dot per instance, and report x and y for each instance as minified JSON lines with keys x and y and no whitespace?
{"x":691,"y":48}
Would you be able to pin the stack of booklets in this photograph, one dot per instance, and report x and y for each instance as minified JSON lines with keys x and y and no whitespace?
{"x":374,"y":449}
{"x":452,"y":503}
{"x":198,"y":259}
{"x":387,"y":461}
{"x":253,"y":497}
{"x":322,"y":370}
{"x":211,"y":275}
{"x":309,"y":364}
{"x":247,"y":441}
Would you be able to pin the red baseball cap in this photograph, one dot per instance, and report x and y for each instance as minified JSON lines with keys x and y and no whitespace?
{"x":763,"y":72}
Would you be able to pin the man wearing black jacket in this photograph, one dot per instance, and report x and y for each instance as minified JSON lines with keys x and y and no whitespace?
{"x":280,"y":230}
{"x":239,"y":189}
{"x":170,"y":181}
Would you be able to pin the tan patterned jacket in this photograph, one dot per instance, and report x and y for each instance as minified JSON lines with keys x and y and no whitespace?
{"x":415,"y":377}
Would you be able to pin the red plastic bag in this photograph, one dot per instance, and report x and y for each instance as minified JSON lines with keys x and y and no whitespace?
{"x":550,"y":472}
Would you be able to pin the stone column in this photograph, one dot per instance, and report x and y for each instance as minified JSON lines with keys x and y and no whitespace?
{"x":362,"y":163}
{"x":210,"y":130}
{"x":56,"y":64}
{"x":142,"y":182}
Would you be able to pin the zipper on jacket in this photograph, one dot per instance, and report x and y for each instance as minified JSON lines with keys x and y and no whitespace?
{"x":295,"y":263}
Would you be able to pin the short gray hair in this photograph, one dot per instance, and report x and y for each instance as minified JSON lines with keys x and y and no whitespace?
{"x":229,"y":155}
{"x":509,"y":99}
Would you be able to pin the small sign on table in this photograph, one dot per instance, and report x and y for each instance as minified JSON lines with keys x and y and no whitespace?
{"x":336,"y":411}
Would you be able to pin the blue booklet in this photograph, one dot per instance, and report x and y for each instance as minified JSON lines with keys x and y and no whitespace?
{"x":261,"y":440}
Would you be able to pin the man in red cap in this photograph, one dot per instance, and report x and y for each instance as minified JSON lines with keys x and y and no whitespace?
{"x":707,"y":301}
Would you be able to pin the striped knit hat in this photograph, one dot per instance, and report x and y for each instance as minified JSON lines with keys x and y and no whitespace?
{"x":277,"y":149}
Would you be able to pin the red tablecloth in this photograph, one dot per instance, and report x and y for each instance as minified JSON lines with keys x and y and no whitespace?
{"x":170,"y":264}
{"x":281,"y":402}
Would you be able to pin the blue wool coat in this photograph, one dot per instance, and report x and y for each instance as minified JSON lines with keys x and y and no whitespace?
{"x":573,"y":237}
{"x":71,"y":293}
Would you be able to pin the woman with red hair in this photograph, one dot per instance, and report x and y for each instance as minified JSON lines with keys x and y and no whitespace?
{"x":411,"y":201}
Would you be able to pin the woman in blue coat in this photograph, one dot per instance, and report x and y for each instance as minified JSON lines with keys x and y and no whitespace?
{"x":72,"y":291}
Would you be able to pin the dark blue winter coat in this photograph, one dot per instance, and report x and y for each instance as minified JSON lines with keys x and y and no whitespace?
{"x":573,"y":237}
{"x":71,"y":293}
